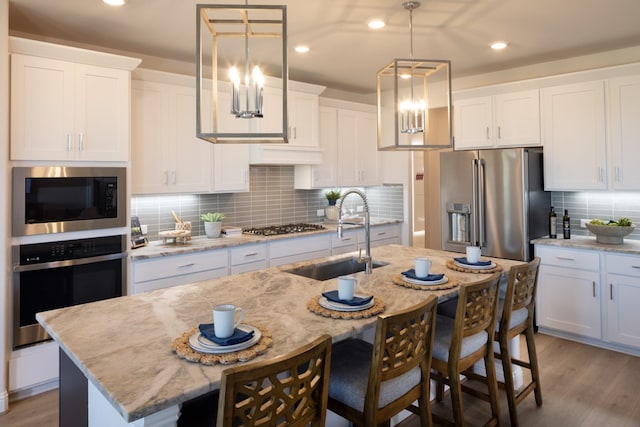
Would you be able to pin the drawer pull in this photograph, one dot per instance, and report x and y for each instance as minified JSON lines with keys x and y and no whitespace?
{"x":186,"y":265}
{"x":565,"y":258}
{"x":611,"y":291}
{"x":251,"y":254}
{"x":594,"y":288}
{"x":635,"y":266}
{"x":382,"y":233}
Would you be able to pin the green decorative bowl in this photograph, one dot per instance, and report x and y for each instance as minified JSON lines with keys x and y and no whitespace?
{"x":611,"y":234}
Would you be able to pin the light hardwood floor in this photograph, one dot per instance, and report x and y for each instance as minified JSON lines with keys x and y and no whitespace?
{"x":581,"y":386}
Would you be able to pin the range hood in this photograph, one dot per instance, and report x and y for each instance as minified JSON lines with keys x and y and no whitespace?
{"x":285,"y":154}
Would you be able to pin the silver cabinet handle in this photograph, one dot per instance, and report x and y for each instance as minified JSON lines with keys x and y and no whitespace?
{"x":594,"y":288}
{"x":635,"y":266}
{"x":69,"y":141}
{"x":600,"y":174}
{"x":617,"y":174}
{"x":186,"y":265}
{"x":565,"y":258}
{"x":611,"y":291}
{"x":382,"y":233}
{"x":251,"y":254}
{"x":487,"y":132}
{"x":81,"y":141}
{"x":499,"y":133}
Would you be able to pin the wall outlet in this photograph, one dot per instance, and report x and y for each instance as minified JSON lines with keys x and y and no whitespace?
{"x":320,"y":212}
{"x":360,"y":209}
{"x":583,"y":223}
{"x":143,"y":228}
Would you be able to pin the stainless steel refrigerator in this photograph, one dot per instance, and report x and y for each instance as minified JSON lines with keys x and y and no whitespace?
{"x":494,"y":199}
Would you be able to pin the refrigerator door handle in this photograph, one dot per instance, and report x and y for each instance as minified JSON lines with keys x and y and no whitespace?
{"x":481,"y":202}
{"x":474,"y":201}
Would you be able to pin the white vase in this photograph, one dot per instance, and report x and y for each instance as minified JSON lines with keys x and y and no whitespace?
{"x":212,"y":229}
{"x":331,"y":212}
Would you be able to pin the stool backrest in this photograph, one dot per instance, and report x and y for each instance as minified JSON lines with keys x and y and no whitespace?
{"x":290,"y":390}
{"x":521,"y":291}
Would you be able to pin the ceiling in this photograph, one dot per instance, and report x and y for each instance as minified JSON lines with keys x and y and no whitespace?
{"x":345,"y":54}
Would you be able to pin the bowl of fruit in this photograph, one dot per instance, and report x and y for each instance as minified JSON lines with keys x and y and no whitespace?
{"x":612,"y":231}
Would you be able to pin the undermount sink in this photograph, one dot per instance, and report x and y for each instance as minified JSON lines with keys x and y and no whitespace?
{"x":333,"y":269}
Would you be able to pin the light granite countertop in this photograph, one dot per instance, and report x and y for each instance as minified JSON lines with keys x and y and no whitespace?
{"x":201,"y":243}
{"x":123,"y":345}
{"x":629,"y":246}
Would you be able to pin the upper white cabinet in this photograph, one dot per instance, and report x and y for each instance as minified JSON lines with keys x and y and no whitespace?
{"x":574,"y":129}
{"x":505,"y":120}
{"x":62,"y":110}
{"x":624,"y":133}
{"x":166,"y":155}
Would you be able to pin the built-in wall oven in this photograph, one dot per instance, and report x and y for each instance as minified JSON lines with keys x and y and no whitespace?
{"x":60,"y":274}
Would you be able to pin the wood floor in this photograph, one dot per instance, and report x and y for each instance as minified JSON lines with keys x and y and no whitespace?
{"x":581,"y":386}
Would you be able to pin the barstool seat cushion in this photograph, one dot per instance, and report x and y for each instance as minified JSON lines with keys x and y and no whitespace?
{"x":517,"y":316}
{"x":442,"y":340}
{"x":350,"y":365}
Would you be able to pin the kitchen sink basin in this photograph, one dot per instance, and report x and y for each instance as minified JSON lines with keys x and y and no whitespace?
{"x":331,"y":270}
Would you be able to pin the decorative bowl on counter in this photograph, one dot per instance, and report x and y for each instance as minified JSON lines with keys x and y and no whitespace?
{"x":612,"y":234}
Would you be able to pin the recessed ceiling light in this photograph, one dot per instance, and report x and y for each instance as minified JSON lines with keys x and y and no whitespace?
{"x":498,"y":45}
{"x":114,"y":2}
{"x":376,"y":24}
{"x":301,"y":49}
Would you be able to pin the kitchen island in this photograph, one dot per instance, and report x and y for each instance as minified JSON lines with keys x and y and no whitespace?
{"x":122,"y":346}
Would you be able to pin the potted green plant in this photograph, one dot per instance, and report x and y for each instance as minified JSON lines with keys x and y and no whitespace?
{"x":331,"y":211}
{"x":212,"y":224}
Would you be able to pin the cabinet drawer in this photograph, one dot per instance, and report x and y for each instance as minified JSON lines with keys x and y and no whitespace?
{"x":249,"y":253}
{"x":177,"y":265}
{"x":383,"y":232}
{"x":291,"y":246}
{"x":349,"y":239}
{"x":570,"y":258}
{"x":622,"y":264}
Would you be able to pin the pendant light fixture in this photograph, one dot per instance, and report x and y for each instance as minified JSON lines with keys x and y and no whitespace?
{"x":241,"y":73}
{"x":414,"y":100}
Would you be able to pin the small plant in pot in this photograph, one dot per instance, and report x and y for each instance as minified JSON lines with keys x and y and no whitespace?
{"x":212,"y":224}
{"x":333,"y":196}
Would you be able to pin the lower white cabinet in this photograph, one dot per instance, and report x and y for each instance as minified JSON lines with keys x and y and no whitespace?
{"x":247,"y":258}
{"x":384,"y":235}
{"x":590,"y":296}
{"x":163,"y":272}
{"x":622,"y":298}
{"x":298,"y":249}
{"x":348,"y":243}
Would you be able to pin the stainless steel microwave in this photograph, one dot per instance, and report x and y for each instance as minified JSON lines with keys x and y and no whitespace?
{"x":60,"y":199}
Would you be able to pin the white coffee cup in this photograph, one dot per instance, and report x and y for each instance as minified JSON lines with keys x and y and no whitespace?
{"x":224,"y":319}
{"x":346,"y":287}
{"x":422,"y":267}
{"x":473,"y":254}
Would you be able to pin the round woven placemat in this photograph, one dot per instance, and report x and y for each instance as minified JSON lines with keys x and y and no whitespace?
{"x":452,"y":265}
{"x":397,"y":280}
{"x":181,"y":347}
{"x":374,"y":310}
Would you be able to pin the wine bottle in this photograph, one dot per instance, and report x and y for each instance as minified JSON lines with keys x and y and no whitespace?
{"x":566,"y":225}
{"x":552,"y":224}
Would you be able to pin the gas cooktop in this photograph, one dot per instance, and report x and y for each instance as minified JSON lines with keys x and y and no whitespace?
{"x":274,"y":230}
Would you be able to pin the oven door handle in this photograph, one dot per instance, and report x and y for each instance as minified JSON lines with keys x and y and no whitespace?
{"x":17,"y":268}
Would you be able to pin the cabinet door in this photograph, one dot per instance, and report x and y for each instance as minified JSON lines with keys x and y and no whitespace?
{"x":42,"y":106}
{"x":472,"y":123}
{"x":303,"y":117}
{"x":367,"y":147}
{"x":625,"y":133}
{"x":623,"y":299}
{"x":190,"y":158}
{"x":574,"y":128}
{"x":357,"y":152}
{"x":101,"y":113}
{"x":569,"y":301}
{"x":517,"y":119}
{"x":149,"y":138}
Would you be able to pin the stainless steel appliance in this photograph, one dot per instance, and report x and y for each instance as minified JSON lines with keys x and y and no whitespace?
{"x":494,"y":199}
{"x":274,"y":230}
{"x":60,"y":199}
{"x":60,"y":274}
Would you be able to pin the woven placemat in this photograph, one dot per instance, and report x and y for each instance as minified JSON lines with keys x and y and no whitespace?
{"x":181,"y":347}
{"x":374,"y":310}
{"x":397,"y":280}
{"x":452,"y":265}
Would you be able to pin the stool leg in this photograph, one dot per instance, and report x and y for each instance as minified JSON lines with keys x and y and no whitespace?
{"x":492,"y":384}
{"x":533,"y":361}
{"x":505,"y":358}
{"x":455,"y":389}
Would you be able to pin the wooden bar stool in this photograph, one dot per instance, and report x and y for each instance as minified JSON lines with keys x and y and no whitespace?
{"x":371,"y":383}
{"x":463,"y":341}
{"x":516,"y":318}
{"x":289,"y":390}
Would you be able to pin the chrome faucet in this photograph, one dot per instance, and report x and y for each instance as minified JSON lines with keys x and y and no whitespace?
{"x":367,"y":255}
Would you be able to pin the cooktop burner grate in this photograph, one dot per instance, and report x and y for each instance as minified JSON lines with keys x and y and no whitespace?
{"x":274,"y":230}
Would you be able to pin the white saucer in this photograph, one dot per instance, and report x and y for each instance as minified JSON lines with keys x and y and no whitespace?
{"x":336,"y":306}
{"x":199,"y":343}
{"x":475,"y":267}
{"x":444,"y":279}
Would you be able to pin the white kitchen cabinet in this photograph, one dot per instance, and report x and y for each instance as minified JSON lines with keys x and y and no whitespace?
{"x":505,"y":120}
{"x":357,"y":148}
{"x":569,"y":293}
{"x":622,"y":296}
{"x":298,"y":249}
{"x":624,"y":128}
{"x":163,"y":272}
{"x":573,"y":119}
{"x":348,"y":243}
{"x":247,"y":258}
{"x":166,"y":155}
{"x":381,"y":235}
{"x":62,"y":110}
{"x":325,"y":174}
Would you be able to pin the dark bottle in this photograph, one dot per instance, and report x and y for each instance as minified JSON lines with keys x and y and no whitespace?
{"x":553,"y":218}
{"x":566,"y":225}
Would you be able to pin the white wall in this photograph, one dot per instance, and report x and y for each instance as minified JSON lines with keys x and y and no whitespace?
{"x":5,"y":193}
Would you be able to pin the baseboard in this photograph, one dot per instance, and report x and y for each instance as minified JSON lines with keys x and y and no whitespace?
{"x":4,"y":401}
{"x":33,"y":390}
